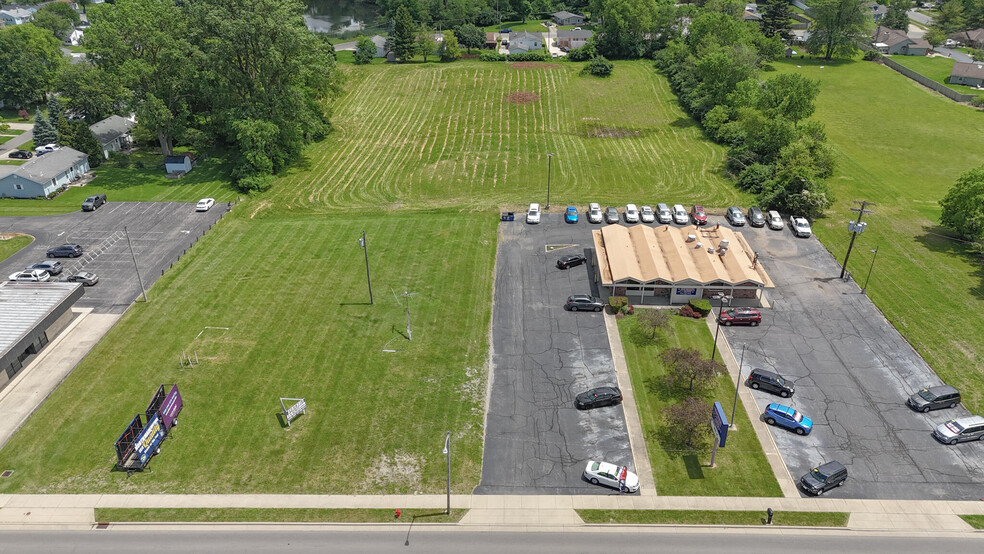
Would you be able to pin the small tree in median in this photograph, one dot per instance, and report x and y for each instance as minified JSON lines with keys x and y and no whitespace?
{"x":655,"y":320}
{"x":690,"y":421}
{"x":685,"y":368}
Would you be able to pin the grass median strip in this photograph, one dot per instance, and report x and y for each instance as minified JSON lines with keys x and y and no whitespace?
{"x":10,"y":246}
{"x":714,"y":517}
{"x":977,"y":522}
{"x":276,"y":515}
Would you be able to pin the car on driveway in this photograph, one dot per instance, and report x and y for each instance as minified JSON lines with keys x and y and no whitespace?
{"x":598,"y":398}
{"x":960,"y":430}
{"x":570,"y":261}
{"x":570,"y":216}
{"x":784,"y":416}
{"x":611,"y":475}
{"x":697,"y":215}
{"x":30,"y":276}
{"x":611,"y":215}
{"x":775,"y":221}
{"x":205,"y":204}
{"x":646,"y":214}
{"x":53,"y":267}
{"x":934,"y":398}
{"x":583,"y":302}
{"x":91,"y":203}
{"x":770,"y":382}
{"x":755,"y":217}
{"x":21,"y":155}
{"x":65,"y":251}
{"x":594,"y":213}
{"x":50,"y":147}
{"x":800,"y":226}
{"x":87,"y":279}
{"x":823,"y":478}
{"x":680,"y":215}
{"x":533,"y":214}
{"x":735,"y":217}
{"x":631,"y":213}
{"x":740,"y":316}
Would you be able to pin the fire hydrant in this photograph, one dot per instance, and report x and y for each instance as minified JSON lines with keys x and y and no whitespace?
{"x":399,"y":513}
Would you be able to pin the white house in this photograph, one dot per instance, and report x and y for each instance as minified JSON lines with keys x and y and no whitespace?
{"x":16,"y":16}
{"x":179,"y":163}
{"x":44,"y":175}
{"x":524,"y":41}
{"x":113,"y":133}
{"x":75,"y":37}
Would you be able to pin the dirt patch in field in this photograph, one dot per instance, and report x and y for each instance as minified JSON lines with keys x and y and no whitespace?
{"x":603,"y":131}
{"x":533,"y":65}
{"x":523,"y":97}
{"x":401,"y":472}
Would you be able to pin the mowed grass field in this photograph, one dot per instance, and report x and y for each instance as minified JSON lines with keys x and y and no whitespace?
{"x":937,"y":68}
{"x":460,"y":135}
{"x":292,"y":290}
{"x":902,"y":146}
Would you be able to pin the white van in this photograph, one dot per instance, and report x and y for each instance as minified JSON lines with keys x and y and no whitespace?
{"x":594,"y":213}
{"x":680,"y":216}
{"x":631,"y":213}
{"x":663,"y":213}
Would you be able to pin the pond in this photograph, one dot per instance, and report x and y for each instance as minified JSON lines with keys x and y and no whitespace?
{"x":339,"y":17}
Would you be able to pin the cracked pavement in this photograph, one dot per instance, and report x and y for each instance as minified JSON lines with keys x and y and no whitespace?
{"x":536,"y":442}
{"x":853,"y":372}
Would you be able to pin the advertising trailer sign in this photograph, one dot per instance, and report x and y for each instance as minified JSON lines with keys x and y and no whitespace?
{"x":171,"y":407}
{"x":124,"y":444}
{"x":148,"y":441}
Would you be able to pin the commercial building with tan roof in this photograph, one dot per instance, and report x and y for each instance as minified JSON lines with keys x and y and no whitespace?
{"x":673,"y":265}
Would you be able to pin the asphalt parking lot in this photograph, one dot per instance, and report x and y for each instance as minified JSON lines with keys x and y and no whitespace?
{"x":853,"y":372}
{"x":536,"y":442}
{"x":160,"y":232}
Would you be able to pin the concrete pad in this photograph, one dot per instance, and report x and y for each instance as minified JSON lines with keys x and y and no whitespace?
{"x":907,"y":522}
{"x":47,"y":516}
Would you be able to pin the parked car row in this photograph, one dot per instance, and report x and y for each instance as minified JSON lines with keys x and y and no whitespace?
{"x":46,"y":270}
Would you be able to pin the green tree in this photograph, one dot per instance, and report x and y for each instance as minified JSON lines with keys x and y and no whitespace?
{"x":426,"y":43}
{"x":57,"y":17}
{"x":897,"y":16}
{"x":655,"y":321}
{"x":685,"y":368}
{"x":77,"y":135}
{"x":625,"y":24}
{"x":91,"y":92}
{"x":963,"y":205}
{"x":776,"y":15}
{"x":44,"y":131}
{"x":599,"y":66}
{"x":790,"y":95}
{"x":689,"y":422}
{"x":30,"y":59}
{"x":841,"y":27}
{"x":470,"y":36}
{"x":449,"y":50}
{"x":365,"y":51}
{"x":935,"y":37}
{"x":404,"y":38}
{"x":56,"y":111}
{"x":524,"y":9}
{"x":950,"y":17}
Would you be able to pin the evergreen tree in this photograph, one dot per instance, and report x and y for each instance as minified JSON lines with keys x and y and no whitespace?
{"x":56,"y":112}
{"x":77,"y":135}
{"x":44,"y":131}
{"x":365,"y":51}
{"x":897,"y":16}
{"x":775,"y":18}
{"x":404,"y":35}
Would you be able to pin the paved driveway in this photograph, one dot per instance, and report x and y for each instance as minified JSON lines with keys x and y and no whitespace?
{"x":159,"y":232}
{"x":853,"y":372}
{"x":535,"y":441}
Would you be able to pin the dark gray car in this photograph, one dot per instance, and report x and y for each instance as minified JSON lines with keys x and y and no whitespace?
{"x":53,"y":267}
{"x":91,"y":203}
{"x":770,"y":382}
{"x":584,"y":303}
{"x":611,"y":215}
{"x":934,"y":398}
{"x":755,"y":217}
{"x":65,"y":251}
{"x":823,"y":478}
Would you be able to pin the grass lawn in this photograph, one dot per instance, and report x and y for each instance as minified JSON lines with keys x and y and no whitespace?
{"x":208,"y":178}
{"x":13,"y":132}
{"x":4,"y":138}
{"x":936,"y":68}
{"x":447,"y":135}
{"x":293,"y":291}
{"x":977,"y":522}
{"x":277,"y":515}
{"x":715,"y":517}
{"x":12,"y":162}
{"x":531,"y":25}
{"x":902,"y":146}
{"x":742,"y":469}
{"x":10,"y":245}
{"x":9,"y":115}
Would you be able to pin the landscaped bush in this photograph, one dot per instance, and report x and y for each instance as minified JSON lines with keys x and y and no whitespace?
{"x":531,"y":56}
{"x":978,"y":102}
{"x":872,"y":55}
{"x":701,"y":306}
{"x":628,"y":309}
{"x":599,"y":67}
{"x":492,"y":56}
{"x":687,"y":311}
{"x":617,"y":302}
{"x":582,"y":54}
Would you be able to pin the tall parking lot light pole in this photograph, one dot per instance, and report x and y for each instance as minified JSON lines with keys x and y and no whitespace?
{"x":549,"y":158}
{"x":737,"y":384}
{"x":864,"y":289}
{"x":721,"y":297}
{"x":447,"y":452}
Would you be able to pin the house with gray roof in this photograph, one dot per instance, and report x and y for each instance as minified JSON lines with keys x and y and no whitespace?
{"x":896,"y":42}
{"x":113,"y":133}
{"x":43,"y":175}
{"x":16,"y":16}
{"x":567,"y":18}
{"x":524,"y":41}
{"x":877,"y":10}
{"x":573,"y":38}
{"x":973,"y":38}
{"x":967,"y":73}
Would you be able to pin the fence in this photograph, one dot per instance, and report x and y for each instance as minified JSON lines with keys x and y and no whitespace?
{"x":927,"y":82}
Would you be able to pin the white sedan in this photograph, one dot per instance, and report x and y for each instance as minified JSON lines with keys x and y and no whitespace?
{"x":31,"y":276}
{"x":647,"y":215}
{"x":533,"y":214}
{"x":205,"y":204}
{"x":611,"y":475}
{"x":800,"y":226}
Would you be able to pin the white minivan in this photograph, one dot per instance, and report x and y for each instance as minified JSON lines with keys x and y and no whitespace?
{"x":594,"y":213}
{"x":680,"y":216}
{"x":774,"y":220}
{"x":533,"y":214}
{"x":631,"y":213}
{"x":663,"y":213}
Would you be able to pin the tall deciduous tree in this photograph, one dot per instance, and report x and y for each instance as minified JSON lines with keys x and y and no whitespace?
{"x":776,"y":15}
{"x":686,"y":368}
{"x":840,"y":27}
{"x":470,"y":36}
{"x":365,"y":51}
{"x":935,"y":37}
{"x":625,"y":24}
{"x":449,"y":50}
{"x":690,"y":421}
{"x":790,"y":96}
{"x":91,"y":92}
{"x":898,"y":15}
{"x":426,"y":43}
{"x":30,"y":59}
{"x":963,"y":205}
{"x":404,"y":39}
{"x":57,"y":17}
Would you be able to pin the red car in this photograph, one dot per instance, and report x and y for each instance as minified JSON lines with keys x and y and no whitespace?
{"x":698,"y":215}
{"x":740,"y":316}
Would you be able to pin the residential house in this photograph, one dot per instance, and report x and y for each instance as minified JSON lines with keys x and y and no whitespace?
{"x":877,"y":10}
{"x":75,"y":37}
{"x":524,"y":41}
{"x":43,"y":175}
{"x":973,"y":38}
{"x":380,"y":42}
{"x":16,"y":16}
{"x":573,"y":38}
{"x":895,"y":42}
{"x":968,"y":73}
{"x":113,"y":133}
{"x":490,"y":41}
{"x":179,"y":164}
{"x":567,"y":18}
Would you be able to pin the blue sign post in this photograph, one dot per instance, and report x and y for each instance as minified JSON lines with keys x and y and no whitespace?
{"x":719,"y":424}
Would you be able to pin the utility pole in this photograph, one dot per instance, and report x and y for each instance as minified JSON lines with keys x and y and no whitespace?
{"x":365,"y":249}
{"x":855,"y":228}
{"x":864,"y":289}
{"x":549,"y":159}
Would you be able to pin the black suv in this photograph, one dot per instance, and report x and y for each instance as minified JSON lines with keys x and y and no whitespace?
{"x":65,"y":251}
{"x":770,"y":382}
{"x":823,"y":478}
{"x":570,"y":261}
{"x":93,"y":202}
{"x":755,"y":217}
{"x":577,"y":302}
{"x":933,"y":398}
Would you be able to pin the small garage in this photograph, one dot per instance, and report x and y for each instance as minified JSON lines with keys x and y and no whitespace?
{"x":674,"y":265}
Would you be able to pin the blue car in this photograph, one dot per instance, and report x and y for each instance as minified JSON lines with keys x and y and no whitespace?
{"x":784,"y":416}
{"x":571,"y":215}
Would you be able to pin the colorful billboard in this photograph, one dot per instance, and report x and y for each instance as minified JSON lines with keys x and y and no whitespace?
{"x":167,"y":406}
{"x":148,"y":441}
{"x":124,"y":444}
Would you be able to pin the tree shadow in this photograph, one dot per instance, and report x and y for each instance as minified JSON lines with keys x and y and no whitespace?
{"x":694,"y":468}
{"x":683,"y":122}
{"x":944,"y":241}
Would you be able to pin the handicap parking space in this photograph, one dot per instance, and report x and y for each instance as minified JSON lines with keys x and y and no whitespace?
{"x":543,"y":356}
{"x":159,"y":233}
{"x":853,"y":372}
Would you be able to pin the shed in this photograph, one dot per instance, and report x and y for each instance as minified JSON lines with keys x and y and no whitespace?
{"x":113,"y":133}
{"x":179,"y":163}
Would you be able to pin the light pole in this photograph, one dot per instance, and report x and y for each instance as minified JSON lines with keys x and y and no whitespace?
{"x":447,"y":452}
{"x":855,"y":228}
{"x":720,"y":297}
{"x":737,"y":384}
{"x":870,"y":267}
{"x":549,"y":158}
{"x":365,"y":249}
{"x":134,"y":257}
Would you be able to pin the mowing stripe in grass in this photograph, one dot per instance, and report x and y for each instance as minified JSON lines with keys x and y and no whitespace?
{"x":715,"y":517}
{"x":276,"y":515}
